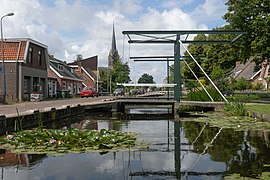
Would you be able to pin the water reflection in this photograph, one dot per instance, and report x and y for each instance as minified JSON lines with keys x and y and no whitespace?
{"x":178,"y":150}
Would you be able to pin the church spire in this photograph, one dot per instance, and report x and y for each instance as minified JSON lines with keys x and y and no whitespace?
{"x":113,"y":54}
{"x":113,"y":41}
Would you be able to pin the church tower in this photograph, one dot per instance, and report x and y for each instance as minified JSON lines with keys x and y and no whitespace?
{"x":113,"y":54}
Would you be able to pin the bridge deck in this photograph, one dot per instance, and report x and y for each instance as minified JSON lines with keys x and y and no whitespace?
{"x":218,"y":106}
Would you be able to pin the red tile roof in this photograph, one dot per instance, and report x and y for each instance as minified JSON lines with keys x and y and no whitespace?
{"x":14,"y":50}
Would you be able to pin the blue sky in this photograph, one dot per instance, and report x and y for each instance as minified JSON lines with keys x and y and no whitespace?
{"x":71,"y":27}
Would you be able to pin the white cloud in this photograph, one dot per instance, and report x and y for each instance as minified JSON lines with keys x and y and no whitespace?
{"x":211,"y":10}
{"x":109,"y":17}
{"x":85,"y":28}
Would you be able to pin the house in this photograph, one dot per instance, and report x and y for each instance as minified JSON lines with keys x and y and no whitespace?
{"x":62,"y":79}
{"x":26,"y":63}
{"x":87,"y":70}
{"x":248,"y":71}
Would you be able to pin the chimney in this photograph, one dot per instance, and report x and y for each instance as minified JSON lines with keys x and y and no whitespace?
{"x":237,"y":63}
{"x":80,"y":66}
{"x":263,"y":69}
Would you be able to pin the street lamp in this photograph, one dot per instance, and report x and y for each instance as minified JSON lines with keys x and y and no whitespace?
{"x":3,"y":61}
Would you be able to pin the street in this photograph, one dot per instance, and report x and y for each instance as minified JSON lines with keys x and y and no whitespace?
{"x":8,"y":110}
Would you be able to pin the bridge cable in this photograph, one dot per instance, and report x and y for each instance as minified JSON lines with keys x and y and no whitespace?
{"x":192,"y":144}
{"x":200,"y":155}
{"x":203,"y":71}
{"x":198,"y":80}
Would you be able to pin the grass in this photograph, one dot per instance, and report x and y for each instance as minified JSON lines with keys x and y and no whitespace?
{"x":260,"y":108}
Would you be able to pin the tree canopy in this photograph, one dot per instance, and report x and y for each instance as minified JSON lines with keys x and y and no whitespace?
{"x":146,"y":78}
{"x":118,"y":74}
{"x":253,"y":17}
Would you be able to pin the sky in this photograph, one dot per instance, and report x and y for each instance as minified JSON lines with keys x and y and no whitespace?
{"x":72,"y":27}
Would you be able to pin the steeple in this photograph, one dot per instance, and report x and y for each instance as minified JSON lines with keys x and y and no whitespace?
{"x":113,"y":41}
{"x":113,"y":54}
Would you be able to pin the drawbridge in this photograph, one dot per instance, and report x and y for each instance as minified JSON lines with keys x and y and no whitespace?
{"x":178,"y":39}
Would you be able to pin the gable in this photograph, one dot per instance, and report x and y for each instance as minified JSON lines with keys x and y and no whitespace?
{"x":90,"y":63}
{"x":246,"y":71}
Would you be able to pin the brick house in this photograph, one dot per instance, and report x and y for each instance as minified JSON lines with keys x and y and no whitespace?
{"x":26,"y":63}
{"x":62,"y":78}
{"x":86,"y":69}
{"x":249,"y":72}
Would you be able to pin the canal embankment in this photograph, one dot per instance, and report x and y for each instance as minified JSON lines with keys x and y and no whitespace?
{"x":259,"y":111}
{"x":28,"y":114}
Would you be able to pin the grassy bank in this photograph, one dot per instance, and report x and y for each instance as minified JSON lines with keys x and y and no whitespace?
{"x":260,"y":108}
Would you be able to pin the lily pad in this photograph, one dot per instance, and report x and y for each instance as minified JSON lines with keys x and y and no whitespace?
{"x":69,"y":141}
{"x":238,"y":123}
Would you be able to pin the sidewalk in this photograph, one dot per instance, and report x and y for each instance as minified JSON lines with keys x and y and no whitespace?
{"x":29,"y":107}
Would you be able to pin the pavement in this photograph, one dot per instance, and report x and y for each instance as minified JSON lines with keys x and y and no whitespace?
{"x":28,"y":107}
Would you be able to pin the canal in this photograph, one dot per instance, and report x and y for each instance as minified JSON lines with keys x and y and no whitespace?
{"x":177,"y":149}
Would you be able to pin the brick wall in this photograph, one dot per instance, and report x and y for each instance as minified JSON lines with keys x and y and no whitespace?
{"x":11,"y":82}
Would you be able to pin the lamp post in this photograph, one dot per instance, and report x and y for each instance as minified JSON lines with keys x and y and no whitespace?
{"x":2,"y":49}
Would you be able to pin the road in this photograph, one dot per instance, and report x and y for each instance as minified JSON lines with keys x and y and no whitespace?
{"x":25,"y":107}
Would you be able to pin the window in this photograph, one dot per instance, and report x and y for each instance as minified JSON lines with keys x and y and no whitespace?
{"x":39,"y":57}
{"x":64,"y":85}
{"x":30,"y":55}
{"x":60,"y":67}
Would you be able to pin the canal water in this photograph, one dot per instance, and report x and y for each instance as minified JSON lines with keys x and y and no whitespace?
{"x":178,"y":149}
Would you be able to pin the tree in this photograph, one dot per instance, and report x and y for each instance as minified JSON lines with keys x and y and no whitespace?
{"x":79,"y":57}
{"x":215,"y":59}
{"x":119,"y":73}
{"x":197,"y":50}
{"x":146,"y":78}
{"x":253,"y":17}
{"x":104,"y":78}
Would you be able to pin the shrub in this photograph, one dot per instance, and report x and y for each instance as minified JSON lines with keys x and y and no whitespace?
{"x":258,"y":86}
{"x":201,"y":95}
{"x":236,"y":108}
{"x":241,"y":84}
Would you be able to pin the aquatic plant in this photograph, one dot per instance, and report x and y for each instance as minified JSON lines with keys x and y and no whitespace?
{"x":18,"y":120}
{"x":64,"y":141}
{"x":237,"y":123}
{"x":235,"y":108}
{"x":264,"y":175}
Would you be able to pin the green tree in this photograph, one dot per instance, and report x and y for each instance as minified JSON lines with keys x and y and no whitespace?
{"x":220,"y":57}
{"x":171,"y":72}
{"x":119,"y":73}
{"x":79,"y":57}
{"x":105,"y":80}
{"x":253,"y":17}
{"x":146,"y":78}
{"x":199,"y":52}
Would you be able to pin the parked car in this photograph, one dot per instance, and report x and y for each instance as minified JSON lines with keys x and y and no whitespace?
{"x":119,"y":92}
{"x":89,"y":92}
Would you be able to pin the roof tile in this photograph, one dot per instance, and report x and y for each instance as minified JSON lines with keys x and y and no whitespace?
{"x":14,"y":50}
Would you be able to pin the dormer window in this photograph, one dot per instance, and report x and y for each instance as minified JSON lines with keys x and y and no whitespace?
{"x":60,"y":67}
{"x":72,"y":70}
